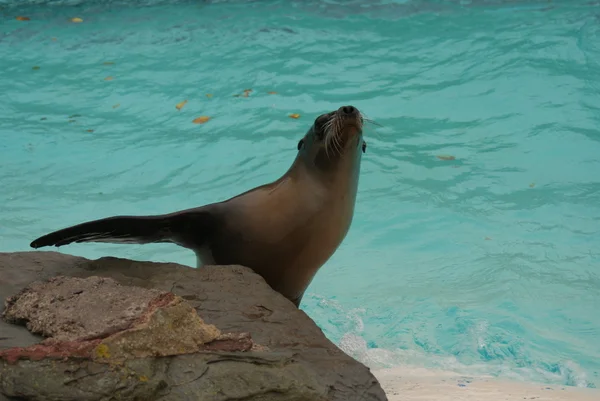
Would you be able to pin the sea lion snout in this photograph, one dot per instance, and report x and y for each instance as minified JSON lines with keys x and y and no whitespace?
{"x":348,"y":111}
{"x":350,"y":121}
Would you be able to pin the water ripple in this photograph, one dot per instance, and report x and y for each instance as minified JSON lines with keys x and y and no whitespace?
{"x":484,"y":261}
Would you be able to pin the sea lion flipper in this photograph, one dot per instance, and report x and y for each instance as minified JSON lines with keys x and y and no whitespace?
{"x":118,"y":229}
{"x":133,"y":230}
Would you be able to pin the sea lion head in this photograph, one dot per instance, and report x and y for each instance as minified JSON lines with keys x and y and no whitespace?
{"x":334,"y":139}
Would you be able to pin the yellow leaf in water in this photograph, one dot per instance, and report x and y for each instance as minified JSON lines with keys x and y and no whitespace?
{"x":116,"y":105}
{"x":35,"y":67}
{"x":209,"y":95}
{"x":90,"y":130}
{"x":76,"y":19}
{"x":248,"y":90}
{"x":272,"y":93}
{"x":22,"y":18}
{"x":445,"y":157}
{"x":532,"y":185}
{"x":108,"y":78}
{"x":54,"y":39}
{"x":180,"y":105}
{"x":294,"y":115}
{"x":201,"y":120}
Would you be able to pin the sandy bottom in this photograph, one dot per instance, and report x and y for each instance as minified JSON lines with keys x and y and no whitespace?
{"x":401,"y":384}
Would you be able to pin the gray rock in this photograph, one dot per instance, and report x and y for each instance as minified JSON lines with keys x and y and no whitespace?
{"x":159,"y":331}
{"x":67,"y":308}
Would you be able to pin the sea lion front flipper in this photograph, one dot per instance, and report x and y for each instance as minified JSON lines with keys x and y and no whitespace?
{"x":186,"y":228}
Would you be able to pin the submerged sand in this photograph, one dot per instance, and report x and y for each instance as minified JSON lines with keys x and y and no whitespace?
{"x":403,"y":384}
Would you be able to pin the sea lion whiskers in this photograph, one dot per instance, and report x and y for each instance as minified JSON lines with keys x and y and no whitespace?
{"x":335,"y":135}
{"x":327,"y":130}
{"x":368,"y":120}
{"x":371,"y":121}
{"x":335,"y":132}
{"x":334,"y":127}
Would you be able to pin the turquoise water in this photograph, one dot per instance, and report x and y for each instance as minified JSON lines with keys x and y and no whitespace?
{"x":488,"y":263}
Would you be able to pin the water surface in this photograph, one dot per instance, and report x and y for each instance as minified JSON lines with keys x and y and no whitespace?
{"x":487,"y":261}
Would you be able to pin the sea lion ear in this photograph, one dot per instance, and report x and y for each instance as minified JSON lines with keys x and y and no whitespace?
{"x":300,"y":143}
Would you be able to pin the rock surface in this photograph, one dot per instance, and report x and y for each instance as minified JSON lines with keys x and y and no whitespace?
{"x":120,"y":329}
{"x":67,"y":308}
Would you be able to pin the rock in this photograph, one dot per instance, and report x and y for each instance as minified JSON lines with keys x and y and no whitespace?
{"x":67,"y":308}
{"x":119,"y":329}
{"x":132,"y":322}
{"x":171,"y":329}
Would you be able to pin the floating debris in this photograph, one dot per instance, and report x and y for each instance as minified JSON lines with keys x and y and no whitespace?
{"x":22,"y":18}
{"x":35,"y":67}
{"x":76,"y":20}
{"x":446,"y":157}
{"x":180,"y":105}
{"x":54,"y":39}
{"x":245,"y":94}
{"x":272,"y":93}
{"x":43,"y":118}
{"x":72,"y":121}
{"x":108,"y":63}
{"x":209,"y":95}
{"x":75,"y":116}
{"x":294,"y":115}
{"x":89,"y":130}
{"x":109,"y":78}
{"x":116,"y":105}
{"x":532,"y":185}
{"x":488,"y":239}
{"x":201,"y":120}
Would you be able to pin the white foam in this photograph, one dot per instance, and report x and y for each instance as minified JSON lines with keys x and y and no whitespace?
{"x":354,"y":344}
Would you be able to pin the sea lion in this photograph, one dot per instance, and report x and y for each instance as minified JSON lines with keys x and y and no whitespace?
{"x":284,"y":231}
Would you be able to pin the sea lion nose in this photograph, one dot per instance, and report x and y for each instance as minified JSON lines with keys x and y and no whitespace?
{"x":348,"y":110}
